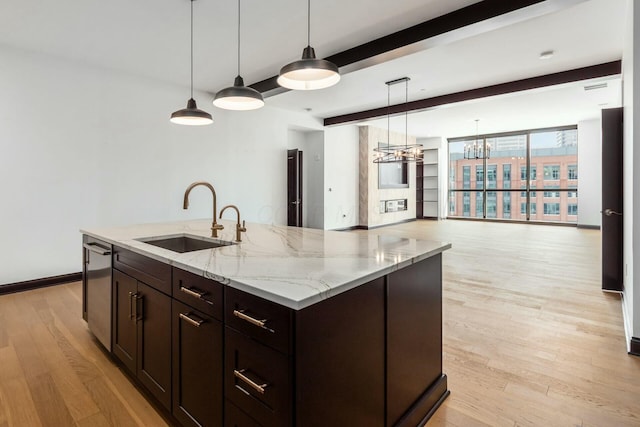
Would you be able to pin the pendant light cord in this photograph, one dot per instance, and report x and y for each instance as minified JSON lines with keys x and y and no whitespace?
{"x":388,"y":116}
{"x":238,"y":37}
{"x":308,"y":22}
{"x":406,"y":115}
{"x":192,"y":48}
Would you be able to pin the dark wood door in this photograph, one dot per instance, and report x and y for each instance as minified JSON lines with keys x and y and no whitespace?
{"x":124,"y":324}
{"x":153,"y":310}
{"x":612,"y":225}
{"x":294,"y":188}
{"x":197,"y":367}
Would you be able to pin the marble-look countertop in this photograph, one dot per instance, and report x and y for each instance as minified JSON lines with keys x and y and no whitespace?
{"x":294,"y":267}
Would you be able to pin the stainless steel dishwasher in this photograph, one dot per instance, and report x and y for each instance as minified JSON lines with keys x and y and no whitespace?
{"x":97,"y":288}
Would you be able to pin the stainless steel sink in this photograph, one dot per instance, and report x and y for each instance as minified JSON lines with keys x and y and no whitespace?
{"x":183,"y":244}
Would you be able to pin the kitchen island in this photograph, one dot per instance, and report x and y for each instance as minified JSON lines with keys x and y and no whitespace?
{"x":291,"y":326}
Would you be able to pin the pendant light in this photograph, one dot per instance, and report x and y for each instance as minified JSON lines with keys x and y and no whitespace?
{"x":309,"y":73}
{"x":406,"y":153}
{"x":191,"y":115}
{"x":238,"y":96}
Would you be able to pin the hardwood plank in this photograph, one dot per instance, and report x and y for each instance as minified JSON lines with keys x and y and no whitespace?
{"x":21,"y":410}
{"x":48,"y":402}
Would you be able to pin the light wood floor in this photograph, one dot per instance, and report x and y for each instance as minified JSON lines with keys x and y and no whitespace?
{"x":529,"y":339}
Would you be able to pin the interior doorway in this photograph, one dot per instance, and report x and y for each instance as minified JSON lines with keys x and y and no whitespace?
{"x":294,"y":187}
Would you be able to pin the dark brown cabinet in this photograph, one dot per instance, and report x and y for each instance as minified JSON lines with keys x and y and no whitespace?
{"x":142,"y":334}
{"x":213,"y":355}
{"x":197,"y":367}
{"x":258,"y":366}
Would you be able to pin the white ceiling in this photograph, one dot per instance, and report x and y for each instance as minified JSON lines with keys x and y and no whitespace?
{"x":150,"y":38}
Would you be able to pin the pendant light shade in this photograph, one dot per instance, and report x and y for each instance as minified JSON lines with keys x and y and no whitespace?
{"x":309,"y":73}
{"x":238,"y":97}
{"x":191,"y":115}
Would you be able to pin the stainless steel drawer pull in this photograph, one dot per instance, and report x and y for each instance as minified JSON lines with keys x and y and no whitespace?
{"x":261,"y":323}
{"x":93,"y":247}
{"x":257,"y":387}
{"x":187,"y":318}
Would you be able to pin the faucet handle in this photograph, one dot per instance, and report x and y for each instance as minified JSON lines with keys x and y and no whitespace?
{"x":243,"y":228}
{"x":215,"y":227}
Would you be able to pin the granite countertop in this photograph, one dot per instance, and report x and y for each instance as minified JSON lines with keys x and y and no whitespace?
{"x":294,"y":267}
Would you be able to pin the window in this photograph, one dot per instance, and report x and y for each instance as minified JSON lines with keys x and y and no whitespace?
{"x":492,"y":204}
{"x":466,"y":204}
{"x":526,"y":167}
{"x":523,"y":208}
{"x":479,"y":176}
{"x":572,"y":209}
{"x":466,"y":177}
{"x":492,"y":176}
{"x":506,"y":175}
{"x":551,"y":193}
{"x":552,"y":208}
{"x":551,"y":172}
{"x":506,"y":205}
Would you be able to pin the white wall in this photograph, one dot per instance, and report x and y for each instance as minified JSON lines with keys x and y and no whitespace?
{"x":86,"y":147}
{"x":313,"y":178}
{"x":631,"y":212}
{"x":590,"y":172}
{"x":341,"y":177}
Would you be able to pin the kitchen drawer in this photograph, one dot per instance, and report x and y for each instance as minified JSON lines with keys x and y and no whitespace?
{"x":262,"y":320}
{"x":257,"y":379}
{"x":198,"y":292}
{"x":234,"y":417}
{"x":154,"y":273}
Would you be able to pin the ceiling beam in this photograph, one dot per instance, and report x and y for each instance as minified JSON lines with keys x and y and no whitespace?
{"x":474,"y":19}
{"x":576,"y":74}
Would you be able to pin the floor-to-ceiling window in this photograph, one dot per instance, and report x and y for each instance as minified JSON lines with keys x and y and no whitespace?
{"x":527,"y":175}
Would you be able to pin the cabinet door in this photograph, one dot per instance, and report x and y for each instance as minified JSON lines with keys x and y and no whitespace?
{"x":197,"y":367}
{"x":124,"y":322}
{"x":153,"y":310}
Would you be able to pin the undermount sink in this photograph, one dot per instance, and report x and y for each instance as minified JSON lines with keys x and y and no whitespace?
{"x":184,"y":244}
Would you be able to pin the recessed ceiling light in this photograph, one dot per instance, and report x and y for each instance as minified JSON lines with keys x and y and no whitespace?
{"x":546,"y":54}
{"x":307,"y":109}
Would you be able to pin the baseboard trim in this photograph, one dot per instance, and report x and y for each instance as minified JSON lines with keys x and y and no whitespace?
{"x":426,"y":405}
{"x":353,"y":227}
{"x":589,"y":227}
{"x":27,"y":285}
{"x":366,"y":227}
{"x":634,"y":346}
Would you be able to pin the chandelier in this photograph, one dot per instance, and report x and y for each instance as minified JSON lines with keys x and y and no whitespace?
{"x":477,"y":149}
{"x":388,"y":153}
